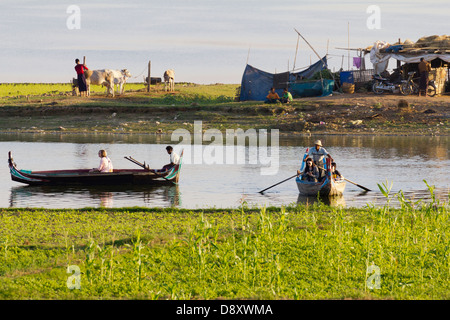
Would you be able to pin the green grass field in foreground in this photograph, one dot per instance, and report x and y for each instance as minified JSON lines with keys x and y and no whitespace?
{"x":303,"y":252}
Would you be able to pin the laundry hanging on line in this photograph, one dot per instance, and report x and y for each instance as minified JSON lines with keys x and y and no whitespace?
{"x":357,"y":62}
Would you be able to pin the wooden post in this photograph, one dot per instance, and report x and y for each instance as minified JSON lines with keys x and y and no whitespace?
{"x":348,"y":43}
{"x":287,"y":80}
{"x":148,"y":75}
{"x":84,"y":60}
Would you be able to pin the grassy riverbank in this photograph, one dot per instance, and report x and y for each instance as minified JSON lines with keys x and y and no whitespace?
{"x":302,"y":252}
{"x":50,"y":108}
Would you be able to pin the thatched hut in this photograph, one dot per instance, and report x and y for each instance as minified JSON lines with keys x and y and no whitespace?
{"x":434,"y":49}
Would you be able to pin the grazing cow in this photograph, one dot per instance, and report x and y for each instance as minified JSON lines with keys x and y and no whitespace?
{"x":104,"y":77}
{"x":169,"y":80}
{"x":120,"y":78}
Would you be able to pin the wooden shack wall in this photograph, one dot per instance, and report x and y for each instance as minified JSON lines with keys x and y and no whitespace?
{"x":439,"y":75}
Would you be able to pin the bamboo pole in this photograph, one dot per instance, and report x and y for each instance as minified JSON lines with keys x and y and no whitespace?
{"x":348,"y":43}
{"x":315,"y":53}
{"x":148,"y":75}
{"x":310,"y":46}
{"x":248,"y":55}
{"x":296,"y":50}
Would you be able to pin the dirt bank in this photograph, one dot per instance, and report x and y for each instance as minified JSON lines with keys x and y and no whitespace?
{"x":147,"y":113}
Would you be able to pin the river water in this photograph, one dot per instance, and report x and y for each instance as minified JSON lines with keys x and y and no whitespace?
{"x":401,"y":161}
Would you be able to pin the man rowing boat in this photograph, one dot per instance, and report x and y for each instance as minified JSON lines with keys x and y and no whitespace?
{"x":318,"y":153}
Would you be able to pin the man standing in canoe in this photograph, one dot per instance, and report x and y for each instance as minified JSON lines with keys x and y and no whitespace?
{"x":317,"y":153}
{"x":82,"y":86}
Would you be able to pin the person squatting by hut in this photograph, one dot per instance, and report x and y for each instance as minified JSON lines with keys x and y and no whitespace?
{"x":272,"y":97}
{"x":287,"y":96}
{"x":82,"y":86}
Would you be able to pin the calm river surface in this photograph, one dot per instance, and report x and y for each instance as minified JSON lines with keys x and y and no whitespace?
{"x":368,"y":161}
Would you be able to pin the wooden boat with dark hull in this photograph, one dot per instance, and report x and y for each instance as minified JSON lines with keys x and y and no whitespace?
{"x":328,"y":186}
{"x":84,"y":177}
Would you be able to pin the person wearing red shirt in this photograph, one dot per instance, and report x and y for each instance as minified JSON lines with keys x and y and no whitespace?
{"x":79,"y":68}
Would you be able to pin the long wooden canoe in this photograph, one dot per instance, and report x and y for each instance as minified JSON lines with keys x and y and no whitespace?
{"x":84,"y":177}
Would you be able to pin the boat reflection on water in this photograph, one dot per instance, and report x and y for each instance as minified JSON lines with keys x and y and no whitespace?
{"x":95,"y":196}
{"x":333,"y":201}
{"x":106,"y":199}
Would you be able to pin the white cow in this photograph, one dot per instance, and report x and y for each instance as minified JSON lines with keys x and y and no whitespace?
{"x":104,"y":77}
{"x":169,"y":80}
{"x":120,"y":78}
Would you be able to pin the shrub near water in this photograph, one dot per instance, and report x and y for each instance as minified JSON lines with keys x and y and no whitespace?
{"x":295,"y":253}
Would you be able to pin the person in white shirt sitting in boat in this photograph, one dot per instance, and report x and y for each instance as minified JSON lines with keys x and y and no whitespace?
{"x":105,"y":163}
{"x":174,"y":159}
{"x":311,"y":172}
{"x":318,"y":153}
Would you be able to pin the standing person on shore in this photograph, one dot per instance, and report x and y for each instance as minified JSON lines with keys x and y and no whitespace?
{"x":317,"y":153}
{"x":82,"y":86}
{"x":424,"y":69}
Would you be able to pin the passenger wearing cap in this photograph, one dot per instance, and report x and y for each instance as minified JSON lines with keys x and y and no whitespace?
{"x":318,"y":153}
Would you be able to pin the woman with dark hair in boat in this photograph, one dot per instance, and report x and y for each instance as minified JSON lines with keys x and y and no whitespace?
{"x":334,"y":173}
{"x":105,"y":163}
{"x":311,"y":172}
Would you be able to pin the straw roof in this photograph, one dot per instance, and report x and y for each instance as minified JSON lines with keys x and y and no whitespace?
{"x":430,"y":44}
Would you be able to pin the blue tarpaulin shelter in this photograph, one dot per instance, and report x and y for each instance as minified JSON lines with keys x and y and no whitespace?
{"x":256,"y":83}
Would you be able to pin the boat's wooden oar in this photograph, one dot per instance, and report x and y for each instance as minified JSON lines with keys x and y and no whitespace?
{"x":358,"y":185}
{"x":277,"y":183}
{"x":146,"y":167}
{"x":301,"y":169}
{"x":143,"y":165}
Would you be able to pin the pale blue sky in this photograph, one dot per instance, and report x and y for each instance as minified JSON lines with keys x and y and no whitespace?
{"x":205,"y":41}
